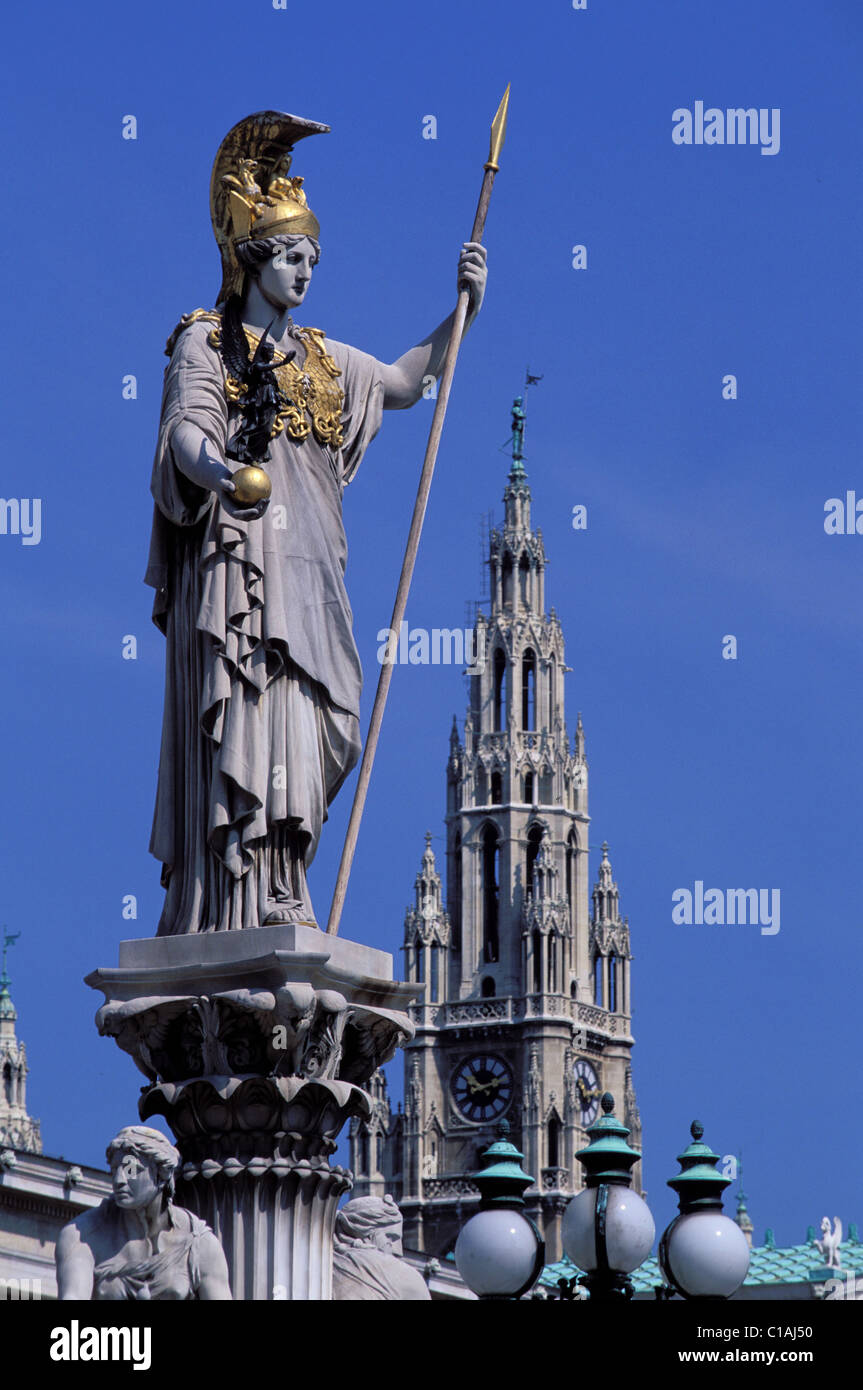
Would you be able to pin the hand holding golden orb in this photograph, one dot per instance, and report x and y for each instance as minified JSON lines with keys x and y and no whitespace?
{"x":251,"y":485}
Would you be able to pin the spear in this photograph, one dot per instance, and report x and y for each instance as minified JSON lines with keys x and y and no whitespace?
{"x":498,"y":132}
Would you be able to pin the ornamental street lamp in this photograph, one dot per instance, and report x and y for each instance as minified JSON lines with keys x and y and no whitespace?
{"x":607,"y":1229}
{"x":703,"y":1253}
{"x":499,"y":1252}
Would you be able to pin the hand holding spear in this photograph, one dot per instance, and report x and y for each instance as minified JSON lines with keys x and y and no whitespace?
{"x":498,"y":133}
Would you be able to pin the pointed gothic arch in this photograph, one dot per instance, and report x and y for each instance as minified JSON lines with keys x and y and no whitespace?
{"x":554,"y":1140}
{"x":434,"y":990}
{"x":457,"y":882}
{"x":534,"y":840}
{"x":490,"y":893}
{"x":500,"y":690}
{"x":507,"y":580}
{"x":552,"y":692}
{"x":546,"y":785}
{"x":571,"y":872}
{"x":528,"y":690}
{"x":481,"y":786}
{"x":524,"y":581}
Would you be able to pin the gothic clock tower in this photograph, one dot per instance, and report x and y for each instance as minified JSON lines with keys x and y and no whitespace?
{"x":526,"y":1015}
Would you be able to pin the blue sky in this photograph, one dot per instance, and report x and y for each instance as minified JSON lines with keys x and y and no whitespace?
{"x":705,"y":516}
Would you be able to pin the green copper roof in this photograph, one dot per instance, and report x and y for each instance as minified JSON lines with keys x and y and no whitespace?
{"x":768,"y":1264}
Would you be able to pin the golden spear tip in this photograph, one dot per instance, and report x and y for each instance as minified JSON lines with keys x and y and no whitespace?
{"x":498,"y":131}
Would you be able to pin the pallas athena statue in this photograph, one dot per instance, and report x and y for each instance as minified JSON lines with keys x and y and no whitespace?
{"x":263,"y":424}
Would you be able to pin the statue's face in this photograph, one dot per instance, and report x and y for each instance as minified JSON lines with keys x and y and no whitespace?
{"x":285,"y":278}
{"x":390,"y":1239}
{"x":134,"y":1181}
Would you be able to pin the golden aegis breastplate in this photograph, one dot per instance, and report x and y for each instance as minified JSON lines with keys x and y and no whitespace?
{"x":316,"y":399}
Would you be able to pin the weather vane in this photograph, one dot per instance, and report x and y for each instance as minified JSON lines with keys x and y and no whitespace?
{"x":9,"y":938}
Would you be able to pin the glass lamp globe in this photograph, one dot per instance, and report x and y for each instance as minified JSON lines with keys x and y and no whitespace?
{"x":629,"y":1229}
{"x":496,"y":1253}
{"x":705,"y":1255}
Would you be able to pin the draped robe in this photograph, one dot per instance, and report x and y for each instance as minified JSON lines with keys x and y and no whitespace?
{"x":172,"y":1272}
{"x":262,"y":675}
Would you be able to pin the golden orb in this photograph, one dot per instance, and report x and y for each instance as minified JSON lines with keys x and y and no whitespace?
{"x":251,"y":485}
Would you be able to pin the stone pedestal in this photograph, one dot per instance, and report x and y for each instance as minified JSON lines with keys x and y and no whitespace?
{"x":256,"y":1046}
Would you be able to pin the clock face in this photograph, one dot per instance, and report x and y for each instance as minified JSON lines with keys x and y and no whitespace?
{"x":482,"y":1087}
{"x":587,"y":1091}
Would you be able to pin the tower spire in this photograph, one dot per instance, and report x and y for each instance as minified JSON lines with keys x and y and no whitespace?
{"x":17,"y":1130}
{"x":517,"y":493}
{"x":8,"y":1013}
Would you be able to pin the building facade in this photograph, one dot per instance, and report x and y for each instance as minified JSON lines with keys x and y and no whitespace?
{"x":527,"y":1010}
{"x":38,"y":1194}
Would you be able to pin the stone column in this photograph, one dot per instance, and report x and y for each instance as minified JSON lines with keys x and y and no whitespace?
{"x":256,"y":1046}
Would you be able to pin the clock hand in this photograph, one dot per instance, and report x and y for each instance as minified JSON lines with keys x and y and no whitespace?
{"x":484,"y":1085}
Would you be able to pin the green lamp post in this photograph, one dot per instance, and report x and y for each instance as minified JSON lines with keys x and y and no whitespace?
{"x":500,"y":1252}
{"x":703,"y":1253}
{"x":607,"y":1229}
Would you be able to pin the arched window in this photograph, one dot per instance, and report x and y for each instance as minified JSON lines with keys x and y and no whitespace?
{"x":554,"y":1141}
{"x":537,"y":961}
{"x":552,"y":679}
{"x":379,"y":1146}
{"x":528,"y":690}
{"x":499,"y":690}
{"x":481,"y":786}
{"x":528,"y":788}
{"x":507,"y":580}
{"x":364,"y":1151}
{"x":420,"y":958}
{"x":571,"y":852}
{"x":487,"y":988}
{"x":434,"y":992}
{"x":573,"y":990}
{"x":455,"y":903}
{"x":524,"y":582}
{"x":7,"y":1083}
{"x":496,"y":789}
{"x":597,"y":980}
{"x":552,"y":965}
{"x":490,"y":892}
{"x":534,"y":840}
{"x":612,"y":983}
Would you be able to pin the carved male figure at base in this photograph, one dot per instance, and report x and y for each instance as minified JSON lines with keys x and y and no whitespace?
{"x":136,"y":1244}
{"x":366,"y":1250}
